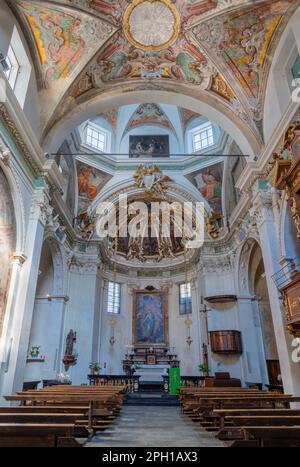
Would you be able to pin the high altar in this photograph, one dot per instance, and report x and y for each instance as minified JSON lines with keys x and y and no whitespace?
{"x":149,"y":356}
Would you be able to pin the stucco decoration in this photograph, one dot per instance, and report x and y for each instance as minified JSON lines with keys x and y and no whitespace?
{"x":187,"y":116}
{"x":149,"y":114}
{"x":151,"y":24}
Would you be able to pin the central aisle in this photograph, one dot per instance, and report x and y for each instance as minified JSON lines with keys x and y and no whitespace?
{"x":154,"y":427}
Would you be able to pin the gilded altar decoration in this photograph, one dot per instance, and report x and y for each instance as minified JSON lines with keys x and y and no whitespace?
{"x":152,"y":179}
{"x":151,"y":24}
{"x":287,"y":177}
{"x":287,"y":171}
{"x":150,"y":318}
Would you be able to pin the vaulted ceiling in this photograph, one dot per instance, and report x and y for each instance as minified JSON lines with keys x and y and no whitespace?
{"x":221,"y":49}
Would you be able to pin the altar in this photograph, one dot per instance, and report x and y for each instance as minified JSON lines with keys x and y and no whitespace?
{"x":149,"y":356}
{"x":152,"y":373}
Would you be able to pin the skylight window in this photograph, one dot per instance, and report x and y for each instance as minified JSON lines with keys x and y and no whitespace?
{"x":203,"y":138}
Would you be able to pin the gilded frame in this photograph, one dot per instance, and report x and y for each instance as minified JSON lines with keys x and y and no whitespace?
{"x":164,"y":294}
{"x":176,"y":27}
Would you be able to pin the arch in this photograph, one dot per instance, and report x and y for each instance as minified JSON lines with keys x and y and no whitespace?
{"x":206,"y":105}
{"x":7,"y":243}
{"x":251,"y":276}
{"x":59,"y":264}
{"x":18,"y":204}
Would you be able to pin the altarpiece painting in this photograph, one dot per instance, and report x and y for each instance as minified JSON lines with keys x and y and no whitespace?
{"x":150,"y":318}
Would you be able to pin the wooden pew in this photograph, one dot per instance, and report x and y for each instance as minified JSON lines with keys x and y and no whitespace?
{"x":76,"y":409}
{"x":220,"y":414}
{"x":41,"y":435}
{"x":272,"y":436}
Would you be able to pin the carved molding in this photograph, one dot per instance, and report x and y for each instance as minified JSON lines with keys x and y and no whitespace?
{"x":14,"y":132}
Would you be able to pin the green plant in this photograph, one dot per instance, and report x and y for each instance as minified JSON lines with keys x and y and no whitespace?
{"x":94,"y":366}
{"x":203,"y":368}
{"x":35,"y":350}
{"x":137,"y":366}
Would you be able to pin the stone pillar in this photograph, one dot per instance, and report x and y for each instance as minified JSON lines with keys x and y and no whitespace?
{"x":264,"y":211}
{"x":82,"y":314}
{"x":21,"y":319}
{"x":254,"y":366}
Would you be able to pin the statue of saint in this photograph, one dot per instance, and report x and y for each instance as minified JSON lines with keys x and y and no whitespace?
{"x":71,"y":338}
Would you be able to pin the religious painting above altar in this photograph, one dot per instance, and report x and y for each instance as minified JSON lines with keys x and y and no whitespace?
{"x":149,"y":146}
{"x":150,"y":318}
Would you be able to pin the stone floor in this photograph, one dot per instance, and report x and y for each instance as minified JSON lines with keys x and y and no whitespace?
{"x":154,"y":427}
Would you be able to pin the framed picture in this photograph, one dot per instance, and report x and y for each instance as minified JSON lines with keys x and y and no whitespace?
{"x":150,"y":318}
{"x":149,"y":146}
{"x":151,"y":360}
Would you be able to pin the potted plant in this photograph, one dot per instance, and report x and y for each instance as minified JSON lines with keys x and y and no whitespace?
{"x":95,"y":368}
{"x":203,"y":368}
{"x":35,"y":351}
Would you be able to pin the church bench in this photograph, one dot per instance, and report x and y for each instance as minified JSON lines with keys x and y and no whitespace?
{"x":235,"y":423}
{"x":94,"y":401}
{"x":263,"y":420}
{"x":201,"y":412}
{"x":214,"y":402}
{"x":222,"y":413}
{"x":40,"y":417}
{"x":43,"y":435}
{"x":101,"y":418}
{"x":273,"y":436}
{"x":44,"y":409}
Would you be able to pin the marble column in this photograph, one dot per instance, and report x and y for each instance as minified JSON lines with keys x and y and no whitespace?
{"x":21,"y":319}
{"x":265,"y":214}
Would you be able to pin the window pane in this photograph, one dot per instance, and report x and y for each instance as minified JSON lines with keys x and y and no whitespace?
{"x":113,"y":299}
{"x":185,"y":299}
{"x":96,"y":139}
{"x":203,"y":139}
{"x":13,"y":65}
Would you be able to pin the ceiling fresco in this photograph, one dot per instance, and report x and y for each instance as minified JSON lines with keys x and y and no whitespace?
{"x":63,"y":38}
{"x":220,"y":48}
